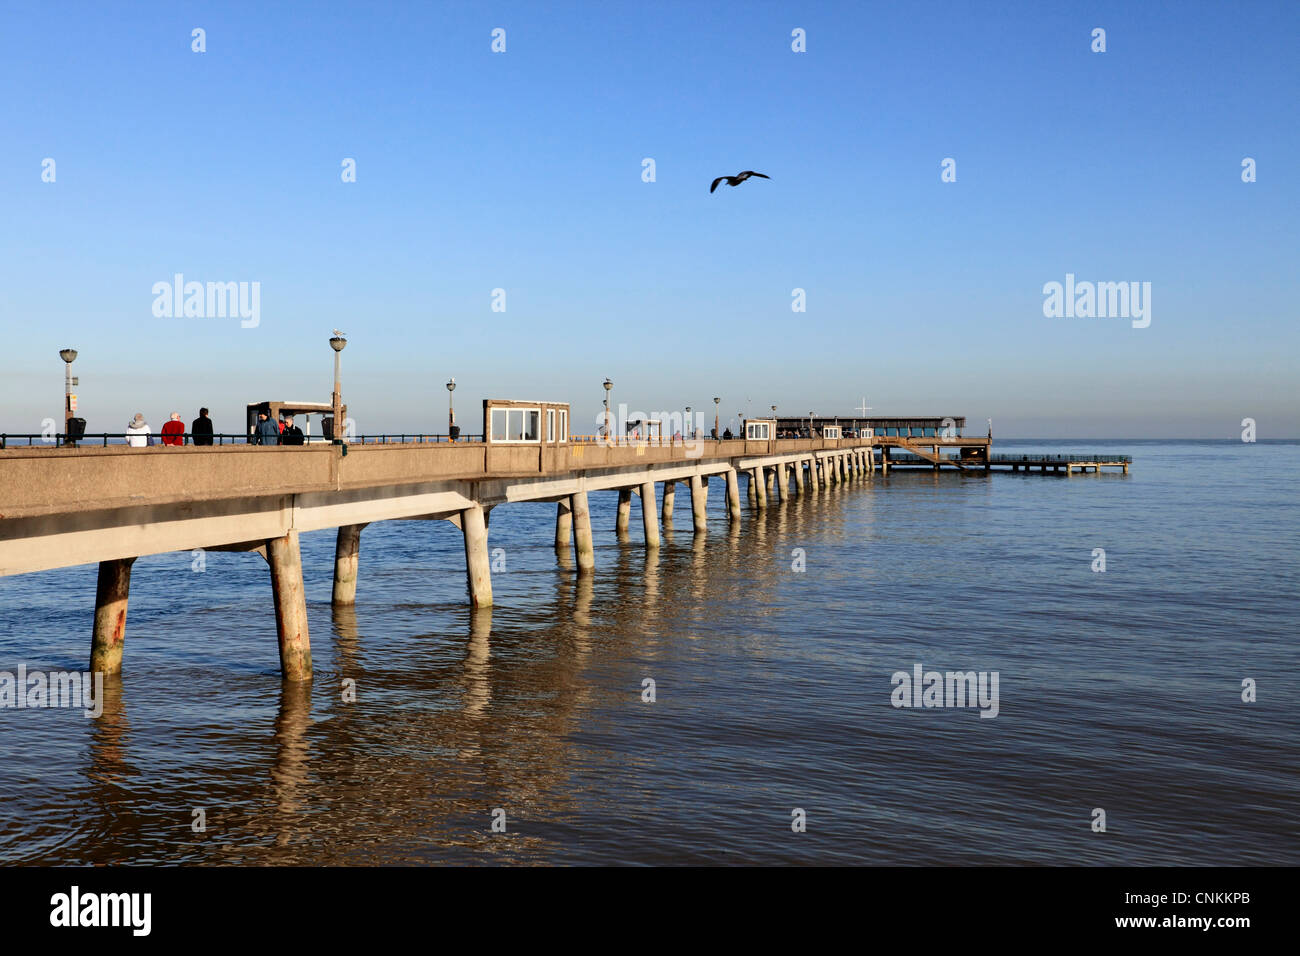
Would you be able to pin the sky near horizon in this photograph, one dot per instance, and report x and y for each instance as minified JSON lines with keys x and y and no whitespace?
{"x":523,"y":171}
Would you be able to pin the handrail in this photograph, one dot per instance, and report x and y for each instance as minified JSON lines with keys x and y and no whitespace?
{"x":117,"y":439}
{"x":59,"y":440}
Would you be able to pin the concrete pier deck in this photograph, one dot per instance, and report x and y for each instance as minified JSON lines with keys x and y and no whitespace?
{"x":71,"y":506}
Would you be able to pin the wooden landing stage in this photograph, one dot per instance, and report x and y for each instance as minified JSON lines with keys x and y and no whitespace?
{"x":1066,"y":464}
{"x":1081,"y":461}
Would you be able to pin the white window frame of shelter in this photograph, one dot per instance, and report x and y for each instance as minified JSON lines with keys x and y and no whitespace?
{"x":827,"y":431}
{"x":550,"y":426}
{"x":751,"y":431}
{"x":564,"y":425}
{"x":510,"y":412}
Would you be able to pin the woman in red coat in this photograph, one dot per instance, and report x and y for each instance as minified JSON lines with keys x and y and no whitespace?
{"x":173,"y":432}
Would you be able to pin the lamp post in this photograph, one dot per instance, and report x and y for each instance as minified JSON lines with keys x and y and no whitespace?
{"x":68,"y":356}
{"x":686,"y":425}
{"x":810,"y":424}
{"x":336,"y":430}
{"x":716,"y":433}
{"x":990,"y":428}
{"x":608,"y":385}
{"x":451,"y":410}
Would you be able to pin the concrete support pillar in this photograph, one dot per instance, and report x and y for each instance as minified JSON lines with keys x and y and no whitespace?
{"x":798,"y":477}
{"x":563,"y":524}
{"x":285,"y":559}
{"x":624,"y":511}
{"x":670,"y":495}
{"x":751,"y":491}
{"x":347,"y":552}
{"x":757,"y":478}
{"x":649,"y":523}
{"x":586,"y":552}
{"x":770,"y":479}
{"x":478,"y":568}
{"x":699,"y":503}
{"x":109,"y":634}
{"x":733,"y":495}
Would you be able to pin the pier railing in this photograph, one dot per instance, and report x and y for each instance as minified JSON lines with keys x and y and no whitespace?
{"x":104,"y":439}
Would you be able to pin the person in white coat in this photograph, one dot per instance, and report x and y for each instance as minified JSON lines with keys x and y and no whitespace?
{"x":138,"y":431}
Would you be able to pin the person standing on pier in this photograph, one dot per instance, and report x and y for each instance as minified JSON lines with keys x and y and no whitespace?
{"x":173,"y":430}
{"x":201,"y":428}
{"x":267,"y":433}
{"x":138,"y":431}
{"x":290,"y":434}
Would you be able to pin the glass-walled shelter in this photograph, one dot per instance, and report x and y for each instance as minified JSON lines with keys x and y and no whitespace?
{"x":509,"y":422}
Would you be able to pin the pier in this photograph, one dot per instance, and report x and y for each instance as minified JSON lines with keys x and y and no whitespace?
{"x":110,"y":504}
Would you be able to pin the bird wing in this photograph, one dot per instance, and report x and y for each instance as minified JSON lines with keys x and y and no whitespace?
{"x":750,"y":172}
{"x":715,"y":183}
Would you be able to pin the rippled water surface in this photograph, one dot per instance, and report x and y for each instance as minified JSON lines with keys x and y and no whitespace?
{"x":1118,"y":690}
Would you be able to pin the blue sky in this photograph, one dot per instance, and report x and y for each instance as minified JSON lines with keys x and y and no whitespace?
{"x":522,"y":171}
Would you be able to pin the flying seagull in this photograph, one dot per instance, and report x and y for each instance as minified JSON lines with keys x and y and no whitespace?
{"x":737,"y":179}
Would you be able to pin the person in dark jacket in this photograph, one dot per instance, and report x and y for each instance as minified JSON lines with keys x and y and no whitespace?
{"x":201,"y":428}
{"x":291,"y":434}
{"x":267,"y":432}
